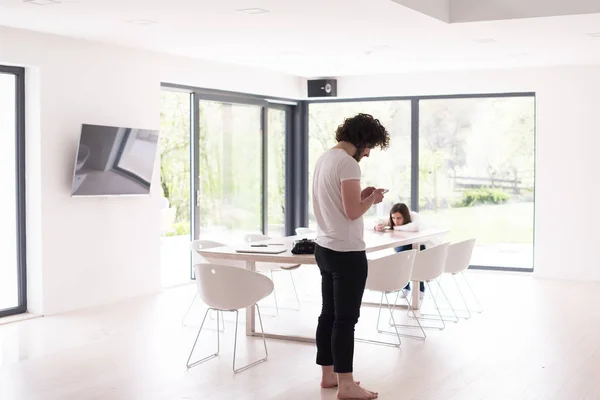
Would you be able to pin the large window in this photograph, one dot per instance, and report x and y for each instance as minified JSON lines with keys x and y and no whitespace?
{"x":390,"y":169}
{"x":473,"y":160}
{"x":476,"y":170}
{"x":12,"y":234}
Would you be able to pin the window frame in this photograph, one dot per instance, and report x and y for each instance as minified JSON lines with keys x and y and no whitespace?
{"x":20,"y":191}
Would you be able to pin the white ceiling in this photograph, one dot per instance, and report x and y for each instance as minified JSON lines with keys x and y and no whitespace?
{"x":317,"y":38}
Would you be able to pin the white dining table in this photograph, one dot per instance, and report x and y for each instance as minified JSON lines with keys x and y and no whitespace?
{"x":374,"y":241}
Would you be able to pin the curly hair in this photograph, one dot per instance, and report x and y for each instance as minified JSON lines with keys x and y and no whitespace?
{"x":364,"y":132}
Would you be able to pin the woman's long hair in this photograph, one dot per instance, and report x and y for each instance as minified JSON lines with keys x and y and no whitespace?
{"x":402,"y":209}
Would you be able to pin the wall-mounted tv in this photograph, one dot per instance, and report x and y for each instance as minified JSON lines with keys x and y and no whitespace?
{"x":114,"y":161}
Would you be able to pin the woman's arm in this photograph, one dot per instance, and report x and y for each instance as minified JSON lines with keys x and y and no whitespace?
{"x":414,"y":226}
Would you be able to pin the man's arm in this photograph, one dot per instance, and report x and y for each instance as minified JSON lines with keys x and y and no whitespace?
{"x":354,"y":206}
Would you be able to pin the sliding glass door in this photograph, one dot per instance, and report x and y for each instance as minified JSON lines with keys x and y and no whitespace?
{"x":12,"y":234}
{"x":229,"y":170}
{"x":278,"y":126}
{"x":240,"y":164}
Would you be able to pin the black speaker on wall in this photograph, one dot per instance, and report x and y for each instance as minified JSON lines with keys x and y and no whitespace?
{"x":322,"y":88}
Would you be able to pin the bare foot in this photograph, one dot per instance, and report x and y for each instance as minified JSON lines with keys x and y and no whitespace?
{"x":330,"y":381}
{"x":351,"y":391}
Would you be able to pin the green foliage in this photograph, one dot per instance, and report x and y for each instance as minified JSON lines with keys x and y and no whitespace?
{"x":180,"y":229}
{"x":229,"y":161}
{"x":174,"y":148}
{"x":479,"y":196}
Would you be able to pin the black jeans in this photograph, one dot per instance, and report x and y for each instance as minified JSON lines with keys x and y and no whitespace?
{"x":343,"y":279}
{"x":405,"y":248}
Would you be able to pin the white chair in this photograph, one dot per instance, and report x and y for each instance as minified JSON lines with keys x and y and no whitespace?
{"x":269,"y":268}
{"x":429,"y":266}
{"x":387,"y":275}
{"x":227,"y":288}
{"x":304,"y":231}
{"x":196,"y":245}
{"x":457,"y":262}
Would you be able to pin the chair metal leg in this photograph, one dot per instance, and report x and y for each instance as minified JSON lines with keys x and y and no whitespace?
{"x":437,"y":308}
{"x":189,"y":308}
{"x":235,"y":343}
{"x":379,"y":312}
{"x":391,"y":310}
{"x":209,"y":315}
{"x":409,"y":311}
{"x":274,"y":295}
{"x":462,"y":297}
{"x":472,"y":292}
{"x":295,"y":292}
{"x":453,"y":318}
{"x":448,"y":301}
{"x":190,"y":365}
{"x":222,"y":320}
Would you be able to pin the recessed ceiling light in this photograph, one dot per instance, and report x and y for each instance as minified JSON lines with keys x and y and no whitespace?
{"x":594,"y":34}
{"x":253,"y":10}
{"x":143,"y":22}
{"x":42,"y":2}
{"x":484,"y":41}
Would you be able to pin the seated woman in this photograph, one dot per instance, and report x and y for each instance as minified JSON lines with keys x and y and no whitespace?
{"x":402,"y":219}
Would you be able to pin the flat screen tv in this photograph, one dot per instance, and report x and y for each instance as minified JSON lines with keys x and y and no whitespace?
{"x":114,"y":161}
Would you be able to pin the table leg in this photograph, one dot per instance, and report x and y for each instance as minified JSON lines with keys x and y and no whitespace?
{"x":250,"y":311}
{"x":416,"y":285}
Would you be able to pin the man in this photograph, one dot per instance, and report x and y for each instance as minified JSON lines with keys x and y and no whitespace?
{"x":339,"y":205}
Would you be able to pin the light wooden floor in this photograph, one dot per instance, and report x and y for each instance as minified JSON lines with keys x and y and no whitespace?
{"x":537,"y":339}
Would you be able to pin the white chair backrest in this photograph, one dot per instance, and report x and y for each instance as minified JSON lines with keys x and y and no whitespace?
{"x":196,"y":245}
{"x":430,"y":263}
{"x":255,"y":237}
{"x":304,"y":231}
{"x":459,"y":256}
{"x":391,"y":273}
{"x":230,"y":288}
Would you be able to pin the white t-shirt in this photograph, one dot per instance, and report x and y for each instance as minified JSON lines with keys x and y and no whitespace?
{"x":335,"y":230}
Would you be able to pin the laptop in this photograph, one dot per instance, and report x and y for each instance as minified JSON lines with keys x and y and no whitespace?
{"x":262,"y":250}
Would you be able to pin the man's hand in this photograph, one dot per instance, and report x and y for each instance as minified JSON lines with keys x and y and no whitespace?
{"x":366,"y":192}
{"x":377,"y":195}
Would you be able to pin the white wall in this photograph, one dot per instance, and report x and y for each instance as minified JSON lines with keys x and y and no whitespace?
{"x":90,"y":251}
{"x":568,"y":150}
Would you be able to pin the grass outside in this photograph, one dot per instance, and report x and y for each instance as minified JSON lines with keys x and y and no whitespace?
{"x":489,"y":224}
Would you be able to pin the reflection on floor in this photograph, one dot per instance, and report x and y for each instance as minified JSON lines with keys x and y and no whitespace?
{"x":531,"y":342}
